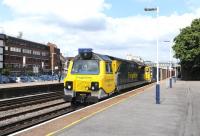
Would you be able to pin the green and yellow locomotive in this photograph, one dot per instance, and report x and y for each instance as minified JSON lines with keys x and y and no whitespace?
{"x":92,"y":76}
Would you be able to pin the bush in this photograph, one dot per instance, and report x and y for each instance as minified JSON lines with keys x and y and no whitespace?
{"x":5,"y":72}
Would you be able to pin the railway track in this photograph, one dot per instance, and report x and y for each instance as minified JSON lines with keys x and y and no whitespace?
{"x":29,"y":100}
{"x":29,"y":120}
{"x":23,"y":112}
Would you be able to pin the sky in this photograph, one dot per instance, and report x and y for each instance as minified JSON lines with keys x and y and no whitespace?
{"x":112,"y":27}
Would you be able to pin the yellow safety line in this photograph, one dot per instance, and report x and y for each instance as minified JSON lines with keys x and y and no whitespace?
{"x":76,"y":122}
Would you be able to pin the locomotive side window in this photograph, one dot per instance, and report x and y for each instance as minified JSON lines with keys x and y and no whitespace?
{"x":108,"y":68}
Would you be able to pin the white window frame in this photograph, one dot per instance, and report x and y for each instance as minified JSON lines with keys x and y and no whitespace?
{"x":1,"y":50}
{"x":1,"y":57}
{"x":15,"y":49}
{"x":36,"y":53}
{"x":1,"y":43}
{"x":6,"y":48}
{"x":1,"y":64}
{"x":27,"y":51}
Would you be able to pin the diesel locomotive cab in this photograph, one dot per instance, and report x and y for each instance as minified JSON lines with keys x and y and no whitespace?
{"x":84,"y":78}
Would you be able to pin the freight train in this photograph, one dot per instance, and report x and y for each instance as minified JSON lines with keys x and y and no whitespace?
{"x":93,"y":76}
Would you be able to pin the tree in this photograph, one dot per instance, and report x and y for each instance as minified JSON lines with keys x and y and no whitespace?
{"x":6,"y":72}
{"x":30,"y":73}
{"x":187,"y":49}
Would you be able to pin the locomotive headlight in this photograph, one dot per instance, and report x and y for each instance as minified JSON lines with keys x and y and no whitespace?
{"x":69,"y":85}
{"x":94,"y":86}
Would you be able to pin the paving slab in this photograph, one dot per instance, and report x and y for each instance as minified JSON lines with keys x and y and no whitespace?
{"x":177,"y":115}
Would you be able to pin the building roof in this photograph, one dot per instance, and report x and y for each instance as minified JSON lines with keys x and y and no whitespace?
{"x":19,"y":41}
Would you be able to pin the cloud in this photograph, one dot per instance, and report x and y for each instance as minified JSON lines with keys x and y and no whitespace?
{"x":192,"y":4}
{"x":144,"y":1}
{"x":86,"y":15}
{"x":78,"y":24}
{"x":69,"y":10}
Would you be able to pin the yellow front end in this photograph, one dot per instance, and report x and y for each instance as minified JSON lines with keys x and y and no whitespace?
{"x":88,"y":87}
{"x":148,"y":74}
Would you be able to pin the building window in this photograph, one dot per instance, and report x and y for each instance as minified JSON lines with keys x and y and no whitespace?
{"x":1,"y":57}
{"x":27,"y":51}
{"x":6,"y":48}
{"x":16,"y":65}
{"x":46,"y":61}
{"x":14,"y":49}
{"x":1,"y":42}
{"x":1,"y":50}
{"x":1,"y":64}
{"x":45,"y":53}
{"x":36,"y":53}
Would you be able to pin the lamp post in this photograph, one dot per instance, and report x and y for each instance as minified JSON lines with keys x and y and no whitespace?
{"x":170,"y":64}
{"x":157,"y":79}
{"x":52,"y":60}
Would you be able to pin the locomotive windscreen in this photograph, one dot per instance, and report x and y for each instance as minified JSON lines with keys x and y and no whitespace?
{"x":85,"y":67}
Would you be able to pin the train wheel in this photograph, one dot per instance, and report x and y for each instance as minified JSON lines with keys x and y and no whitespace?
{"x":92,"y":99}
{"x":117,"y":91}
{"x":74,"y":103}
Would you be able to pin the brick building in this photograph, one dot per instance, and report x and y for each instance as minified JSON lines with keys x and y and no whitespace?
{"x":1,"y":54}
{"x":22,"y":56}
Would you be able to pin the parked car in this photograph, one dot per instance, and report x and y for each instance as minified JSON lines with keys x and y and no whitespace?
{"x":36,"y":79}
{"x":12,"y":79}
{"x":4,"y":79}
{"x":31,"y":79}
{"x":1,"y":82}
{"x":22,"y":79}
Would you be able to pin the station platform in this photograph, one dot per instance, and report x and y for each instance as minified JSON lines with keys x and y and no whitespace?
{"x":178,"y":114}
